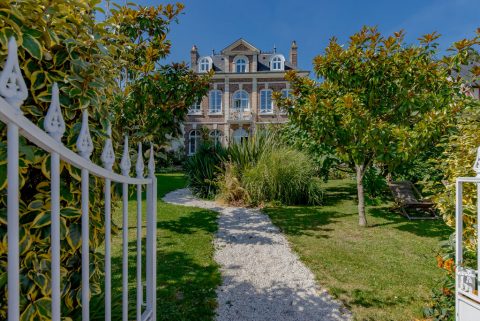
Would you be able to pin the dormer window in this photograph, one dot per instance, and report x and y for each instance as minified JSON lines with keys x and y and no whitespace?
{"x":241,"y":64}
{"x":277,"y":63}
{"x":204,"y":64}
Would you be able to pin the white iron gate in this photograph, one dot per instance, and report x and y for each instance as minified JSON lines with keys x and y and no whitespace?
{"x":13,"y":92}
{"x":467,"y":280}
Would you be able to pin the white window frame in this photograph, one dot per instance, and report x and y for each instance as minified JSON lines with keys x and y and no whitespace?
{"x":205,"y":64}
{"x":215,"y":104}
{"x":235,"y":98}
{"x":286,"y":93}
{"x":239,"y":135}
{"x":196,"y":108}
{"x":247,"y":63}
{"x":265,"y":98}
{"x":277,"y":63}
{"x":216,"y":135}
{"x":193,"y":141}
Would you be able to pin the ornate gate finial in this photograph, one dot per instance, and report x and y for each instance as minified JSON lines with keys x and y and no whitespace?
{"x":54,"y":123}
{"x":108,"y":156}
{"x":84,"y":141}
{"x":125,"y":163}
{"x":151,"y":163}
{"x":12,"y":84}
{"x":139,"y":166}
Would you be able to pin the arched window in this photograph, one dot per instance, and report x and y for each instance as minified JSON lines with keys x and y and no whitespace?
{"x":215,"y":102}
{"x":240,"y":135}
{"x":266,"y":103}
{"x":241,"y":100}
{"x":193,"y":141}
{"x":216,"y":136}
{"x":204,"y":64}
{"x":277,"y":63}
{"x":241,"y":64}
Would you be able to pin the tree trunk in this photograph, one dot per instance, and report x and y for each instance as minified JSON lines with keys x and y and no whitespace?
{"x":362,"y":219}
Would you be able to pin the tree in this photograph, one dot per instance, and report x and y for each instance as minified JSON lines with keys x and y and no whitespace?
{"x":155,"y":98}
{"x":380,"y":100}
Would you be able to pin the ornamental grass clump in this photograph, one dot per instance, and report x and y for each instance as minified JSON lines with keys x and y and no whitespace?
{"x":203,"y":168}
{"x":282,"y":175}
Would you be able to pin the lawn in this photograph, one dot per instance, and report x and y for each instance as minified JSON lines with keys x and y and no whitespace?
{"x":187,"y":275}
{"x":383,"y":272}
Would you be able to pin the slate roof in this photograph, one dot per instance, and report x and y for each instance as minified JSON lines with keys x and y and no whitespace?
{"x":263,"y":63}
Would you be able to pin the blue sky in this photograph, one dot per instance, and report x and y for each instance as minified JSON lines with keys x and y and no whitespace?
{"x":214,"y":24}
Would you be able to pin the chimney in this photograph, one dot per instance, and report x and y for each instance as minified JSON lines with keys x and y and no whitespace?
{"x":293,"y":54}
{"x":194,"y":57}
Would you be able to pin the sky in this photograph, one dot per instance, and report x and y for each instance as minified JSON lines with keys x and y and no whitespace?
{"x":215,"y":24}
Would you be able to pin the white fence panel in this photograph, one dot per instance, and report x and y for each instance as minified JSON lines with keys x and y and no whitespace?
{"x":13,"y":92}
{"x":467,"y":280}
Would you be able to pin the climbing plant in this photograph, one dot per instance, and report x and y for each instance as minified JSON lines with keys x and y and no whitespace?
{"x":64,"y":41}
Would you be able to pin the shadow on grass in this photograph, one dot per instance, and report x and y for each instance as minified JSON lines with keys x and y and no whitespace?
{"x":426,"y":228}
{"x":185,"y":289}
{"x":199,"y":220}
{"x":340,"y":202}
{"x":337,"y":194}
{"x":368,"y":298}
{"x":304,"y":220}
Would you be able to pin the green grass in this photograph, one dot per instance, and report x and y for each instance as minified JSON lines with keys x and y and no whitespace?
{"x":383,"y":272}
{"x":187,"y":275}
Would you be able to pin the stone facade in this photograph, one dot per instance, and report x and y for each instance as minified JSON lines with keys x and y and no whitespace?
{"x":244,"y":79}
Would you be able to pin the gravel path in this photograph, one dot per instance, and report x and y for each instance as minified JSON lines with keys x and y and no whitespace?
{"x":263,"y":280}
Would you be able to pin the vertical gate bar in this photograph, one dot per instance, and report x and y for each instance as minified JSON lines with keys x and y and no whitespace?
{"x":55,"y":127}
{"x":85,"y":248}
{"x":154,"y":247}
{"x":13,"y":224}
{"x":125,"y":165}
{"x":478,"y":236}
{"x":85,"y":149}
{"x":458,"y":237}
{"x":149,"y":247}
{"x":108,"y":268}
{"x":139,"y":252}
{"x":139,"y":169}
{"x":55,"y":235}
{"x":151,"y":232}
{"x":108,"y":158}
{"x":14,"y":90}
{"x":125,"y":253}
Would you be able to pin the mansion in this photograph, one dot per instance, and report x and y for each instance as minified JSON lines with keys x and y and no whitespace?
{"x":240,"y":96}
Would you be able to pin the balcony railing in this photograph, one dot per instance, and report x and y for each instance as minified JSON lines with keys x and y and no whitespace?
{"x":236,"y":115}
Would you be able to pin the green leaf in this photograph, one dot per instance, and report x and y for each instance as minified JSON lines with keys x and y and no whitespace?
{"x":60,"y":58}
{"x":38,"y":80}
{"x":44,"y":306}
{"x":35,"y":205}
{"x":74,"y":236}
{"x":41,"y":220}
{"x":32,"y":45}
{"x":70,"y":212}
{"x":29,"y":313}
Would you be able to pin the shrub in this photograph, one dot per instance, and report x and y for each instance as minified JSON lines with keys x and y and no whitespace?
{"x":203,"y":168}
{"x":248,"y":152}
{"x":230,"y":186}
{"x":283,"y":175}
